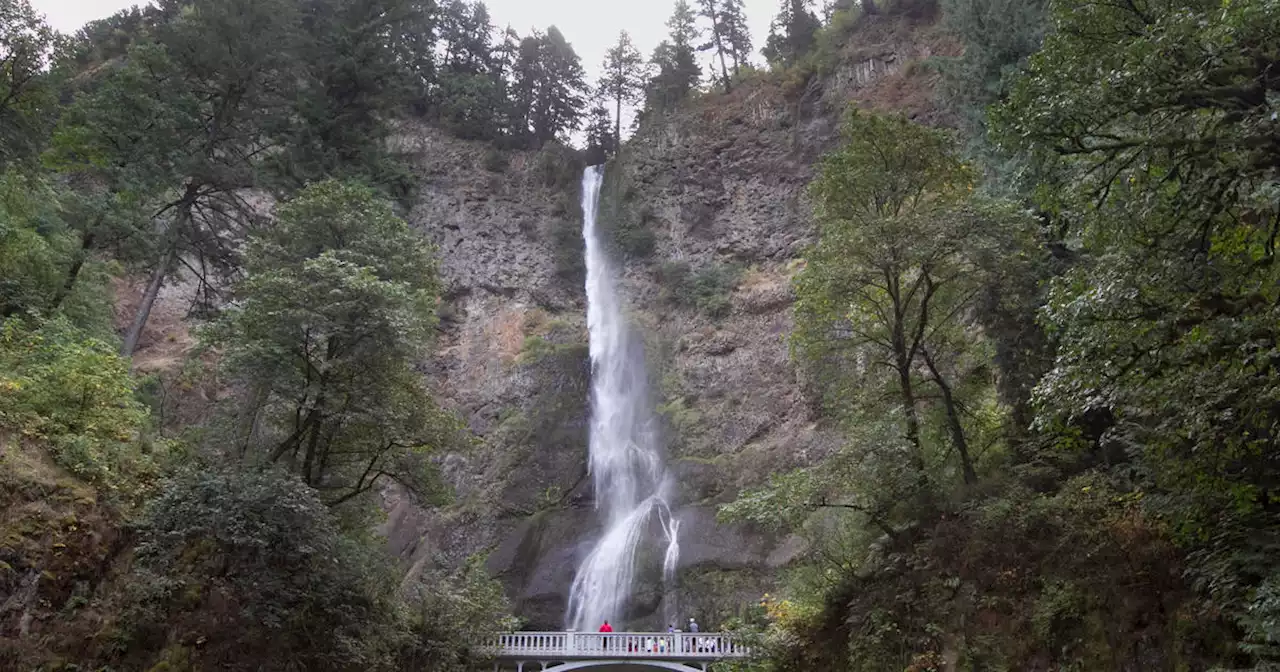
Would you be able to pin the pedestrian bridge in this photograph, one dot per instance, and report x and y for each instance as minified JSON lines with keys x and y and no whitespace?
{"x":631,"y":651}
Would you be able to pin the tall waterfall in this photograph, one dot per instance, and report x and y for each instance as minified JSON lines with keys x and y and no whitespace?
{"x":631,"y":483}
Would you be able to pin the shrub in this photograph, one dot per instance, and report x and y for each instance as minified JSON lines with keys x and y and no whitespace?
{"x":450,"y":608}
{"x":496,"y":160}
{"x":255,"y":562}
{"x":566,"y":244}
{"x":633,"y":239}
{"x":706,"y":289}
{"x":74,"y":392}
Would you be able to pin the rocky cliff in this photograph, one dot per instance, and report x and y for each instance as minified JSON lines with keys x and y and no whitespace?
{"x":707,"y":208}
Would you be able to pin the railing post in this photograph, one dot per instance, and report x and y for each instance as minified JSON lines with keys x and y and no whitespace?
{"x":570,"y":642}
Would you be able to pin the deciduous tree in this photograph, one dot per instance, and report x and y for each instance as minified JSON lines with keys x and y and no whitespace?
{"x":337,"y":305}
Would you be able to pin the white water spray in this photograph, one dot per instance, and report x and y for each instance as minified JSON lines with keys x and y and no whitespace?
{"x":630,"y":480}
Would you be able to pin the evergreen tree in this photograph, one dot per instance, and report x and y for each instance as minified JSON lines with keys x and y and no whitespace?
{"x":526,"y":74}
{"x":211,"y":91}
{"x":414,"y":47}
{"x":26,"y":45}
{"x":711,"y":11}
{"x":599,"y":134}
{"x":561,"y":95}
{"x":675,"y":59}
{"x":352,"y":76}
{"x":547,"y":89}
{"x":792,"y":33}
{"x":737,"y":34}
{"x":623,"y":81}
{"x":471,"y":94}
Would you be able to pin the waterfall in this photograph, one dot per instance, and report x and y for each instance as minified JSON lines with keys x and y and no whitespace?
{"x":631,"y":483}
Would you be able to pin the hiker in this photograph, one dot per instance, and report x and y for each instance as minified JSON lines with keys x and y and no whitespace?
{"x":606,"y":628}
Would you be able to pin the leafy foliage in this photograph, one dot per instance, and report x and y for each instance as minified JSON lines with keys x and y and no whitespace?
{"x":27,"y":44}
{"x":1142,"y":134}
{"x":338,"y":302}
{"x":74,"y":392}
{"x":256,"y":562}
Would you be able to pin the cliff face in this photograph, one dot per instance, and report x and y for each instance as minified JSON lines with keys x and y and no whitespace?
{"x":710,"y":205}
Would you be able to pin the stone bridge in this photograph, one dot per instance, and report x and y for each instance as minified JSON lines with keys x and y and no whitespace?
{"x":599,"y":652}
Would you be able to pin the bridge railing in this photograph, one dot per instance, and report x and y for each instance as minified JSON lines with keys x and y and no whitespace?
{"x":677,"y":645}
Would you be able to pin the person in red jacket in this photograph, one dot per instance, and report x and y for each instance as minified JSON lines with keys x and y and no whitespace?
{"x":604,"y":641}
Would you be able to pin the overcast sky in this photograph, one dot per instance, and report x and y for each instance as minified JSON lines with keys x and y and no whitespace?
{"x":590,"y":25}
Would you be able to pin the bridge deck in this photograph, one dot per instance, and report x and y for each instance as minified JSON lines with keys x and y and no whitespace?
{"x":566,"y":646}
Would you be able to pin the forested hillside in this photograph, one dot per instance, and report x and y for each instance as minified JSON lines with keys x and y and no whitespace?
{"x":962,"y":315}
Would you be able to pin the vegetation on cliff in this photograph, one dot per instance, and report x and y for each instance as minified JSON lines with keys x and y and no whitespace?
{"x":1060,"y":447}
{"x":158,"y":142}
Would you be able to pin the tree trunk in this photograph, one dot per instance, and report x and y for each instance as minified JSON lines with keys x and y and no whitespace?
{"x":953,"y":419}
{"x":902,"y":360}
{"x":73,"y":273}
{"x":716,"y":32}
{"x":617,"y":125}
{"x":724,"y":69}
{"x":148,"y":301}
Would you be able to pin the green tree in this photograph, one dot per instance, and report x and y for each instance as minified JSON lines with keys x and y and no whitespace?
{"x":999,"y":36}
{"x":886,"y":296}
{"x":337,"y":305}
{"x":471,"y":95}
{"x":737,"y":33}
{"x":599,"y":134}
{"x":1150,"y":128}
{"x":711,"y":11}
{"x":27,"y":44}
{"x":792,"y":34}
{"x":357,"y":61}
{"x":548,"y":88}
{"x":676,"y":62}
{"x":305,"y":593}
{"x":182,"y":129}
{"x":623,"y":80}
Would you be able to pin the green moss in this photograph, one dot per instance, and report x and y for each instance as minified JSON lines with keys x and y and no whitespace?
{"x":707,"y":289}
{"x":628,"y":226}
{"x":680,"y":414}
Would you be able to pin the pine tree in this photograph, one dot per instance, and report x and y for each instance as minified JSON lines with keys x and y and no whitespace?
{"x":737,"y":33}
{"x":471,"y":98}
{"x":600,"y":128}
{"x":525,"y":77}
{"x":623,"y":80}
{"x":792,"y":34}
{"x":547,"y":89}
{"x":675,"y":59}
{"x":710,"y":10}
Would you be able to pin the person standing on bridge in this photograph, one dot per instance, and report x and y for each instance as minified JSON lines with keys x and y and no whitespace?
{"x":693,"y":625}
{"x":604,"y":640}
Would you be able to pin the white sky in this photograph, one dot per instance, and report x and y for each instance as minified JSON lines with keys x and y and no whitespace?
{"x":590,"y":25}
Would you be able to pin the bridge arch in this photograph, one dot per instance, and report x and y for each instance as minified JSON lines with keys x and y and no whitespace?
{"x":637,"y":665}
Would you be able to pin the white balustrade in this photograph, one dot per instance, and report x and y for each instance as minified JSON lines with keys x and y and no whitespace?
{"x":619,"y":645}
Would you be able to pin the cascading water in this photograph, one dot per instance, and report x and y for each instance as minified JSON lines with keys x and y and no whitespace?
{"x":631,"y":483}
